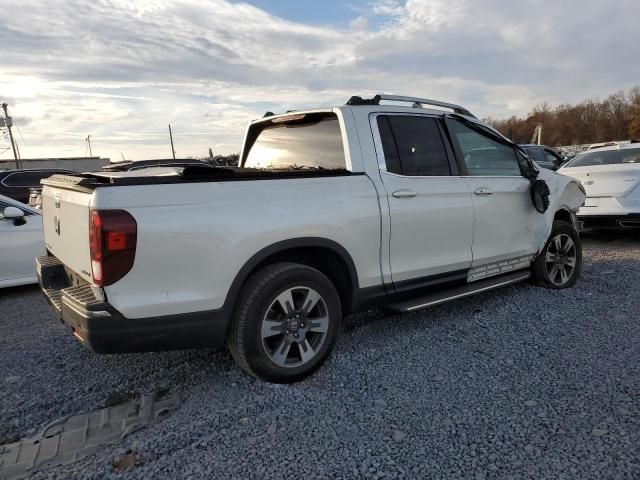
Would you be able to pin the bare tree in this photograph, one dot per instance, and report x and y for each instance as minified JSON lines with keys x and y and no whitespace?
{"x":591,"y":121}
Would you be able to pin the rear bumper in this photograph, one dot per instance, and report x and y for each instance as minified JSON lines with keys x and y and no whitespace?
{"x":629,"y":221}
{"x":103,"y":329}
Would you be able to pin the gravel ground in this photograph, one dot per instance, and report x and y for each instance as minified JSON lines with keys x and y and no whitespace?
{"x":517,"y":383}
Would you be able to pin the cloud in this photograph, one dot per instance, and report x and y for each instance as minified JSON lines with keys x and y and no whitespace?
{"x":360,"y":23}
{"x":121,"y":70}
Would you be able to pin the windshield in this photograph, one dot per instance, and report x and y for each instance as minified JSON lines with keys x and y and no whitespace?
{"x":311,"y":141}
{"x":605,"y":157}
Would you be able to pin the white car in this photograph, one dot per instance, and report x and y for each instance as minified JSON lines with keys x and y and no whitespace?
{"x":21,"y":241}
{"x":610,"y":176}
{"x":385,"y":201}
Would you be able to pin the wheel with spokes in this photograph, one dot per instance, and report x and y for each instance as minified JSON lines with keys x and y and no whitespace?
{"x":560,"y":262}
{"x":286,"y":323}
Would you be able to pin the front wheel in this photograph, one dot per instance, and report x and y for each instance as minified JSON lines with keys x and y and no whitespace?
{"x":560,"y":262}
{"x":286,"y":323}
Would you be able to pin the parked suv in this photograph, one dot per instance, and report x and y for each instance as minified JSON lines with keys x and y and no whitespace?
{"x":544,"y":156}
{"x":392,"y":201}
{"x":17,"y":183}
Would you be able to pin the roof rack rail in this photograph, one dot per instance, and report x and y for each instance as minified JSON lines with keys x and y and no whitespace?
{"x":415,"y":101}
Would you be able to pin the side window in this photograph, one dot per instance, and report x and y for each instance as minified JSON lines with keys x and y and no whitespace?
{"x":551,"y":157}
{"x":536,"y":155}
{"x":483,"y":155}
{"x":413,"y":146}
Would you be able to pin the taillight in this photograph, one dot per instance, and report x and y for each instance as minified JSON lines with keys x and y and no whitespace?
{"x":112,"y":243}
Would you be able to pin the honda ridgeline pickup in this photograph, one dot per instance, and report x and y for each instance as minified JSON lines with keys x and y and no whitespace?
{"x":391,"y":201}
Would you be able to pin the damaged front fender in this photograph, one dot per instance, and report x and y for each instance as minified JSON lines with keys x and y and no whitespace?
{"x":566,"y":194}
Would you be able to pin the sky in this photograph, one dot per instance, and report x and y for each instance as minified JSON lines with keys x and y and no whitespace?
{"x":122,"y":70}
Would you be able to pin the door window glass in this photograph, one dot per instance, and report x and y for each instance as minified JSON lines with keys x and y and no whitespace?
{"x":551,"y":157}
{"x":483,"y":155}
{"x":413,"y":146}
{"x":536,"y":155}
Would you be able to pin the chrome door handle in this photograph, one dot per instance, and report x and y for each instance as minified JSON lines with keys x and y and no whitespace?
{"x":404,"y":194}
{"x":483,"y":191}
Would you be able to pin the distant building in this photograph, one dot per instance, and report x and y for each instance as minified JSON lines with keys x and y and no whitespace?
{"x":77,"y":164}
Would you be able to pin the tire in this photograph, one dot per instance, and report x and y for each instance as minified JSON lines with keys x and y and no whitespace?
{"x":551,"y":270}
{"x":275,"y":342}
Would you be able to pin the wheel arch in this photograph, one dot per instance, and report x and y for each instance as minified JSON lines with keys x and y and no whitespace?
{"x":563,"y":213}
{"x":327,"y":256}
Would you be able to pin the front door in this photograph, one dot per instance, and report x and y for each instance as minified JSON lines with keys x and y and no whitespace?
{"x":430,"y":205}
{"x":19,"y":245}
{"x":507,"y":226}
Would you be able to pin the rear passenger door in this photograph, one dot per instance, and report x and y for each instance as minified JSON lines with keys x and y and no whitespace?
{"x":430,"y":205}
{"x":507,"y":226}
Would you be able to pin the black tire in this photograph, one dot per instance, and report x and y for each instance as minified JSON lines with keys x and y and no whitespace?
{"x":543,"y":269}
{"x":260,"y":303}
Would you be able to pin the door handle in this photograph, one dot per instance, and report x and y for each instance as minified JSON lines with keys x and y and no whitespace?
{"x":483,"y":191}
{"x":404,"y":194}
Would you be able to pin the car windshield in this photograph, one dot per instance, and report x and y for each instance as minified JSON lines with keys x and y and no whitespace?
{"x":605,"y":157}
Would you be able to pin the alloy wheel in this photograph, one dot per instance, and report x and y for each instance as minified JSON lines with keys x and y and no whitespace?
{"x":295,"y":326}
{"x":560,"y":259}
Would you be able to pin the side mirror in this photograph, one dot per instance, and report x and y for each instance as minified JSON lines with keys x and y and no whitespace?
{"x":13,"y":212}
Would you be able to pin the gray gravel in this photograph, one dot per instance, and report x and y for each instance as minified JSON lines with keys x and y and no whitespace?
{"x":517,"y":383}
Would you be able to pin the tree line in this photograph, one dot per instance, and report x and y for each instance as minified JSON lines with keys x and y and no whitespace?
{"x":615,"y":118}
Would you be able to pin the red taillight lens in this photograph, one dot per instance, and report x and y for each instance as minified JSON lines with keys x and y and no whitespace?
{"x":112,"y":243}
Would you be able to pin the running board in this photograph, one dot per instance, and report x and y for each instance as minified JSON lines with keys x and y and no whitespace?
{"x":459,"y":292}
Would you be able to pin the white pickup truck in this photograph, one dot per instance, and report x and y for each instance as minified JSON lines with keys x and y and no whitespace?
{"x":396,"y":202}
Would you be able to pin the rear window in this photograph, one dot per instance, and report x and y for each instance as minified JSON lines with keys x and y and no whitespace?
{"x":297,"y":142}
{"x":607,"y":157}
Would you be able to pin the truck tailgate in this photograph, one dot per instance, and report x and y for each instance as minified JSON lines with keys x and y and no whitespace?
{"x":65,"y":216}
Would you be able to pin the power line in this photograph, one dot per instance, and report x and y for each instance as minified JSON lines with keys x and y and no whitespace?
{"x":21,"y":137}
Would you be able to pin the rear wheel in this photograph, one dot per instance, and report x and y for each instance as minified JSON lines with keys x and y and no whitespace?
{"x":286,"y":323}
{"x":560,"y":262}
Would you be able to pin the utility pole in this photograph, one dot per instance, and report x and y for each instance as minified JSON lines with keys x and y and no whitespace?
{"x":173,"y":151}
{"x":89,"y":142}
{"x":9,"y":123}
{"x":537,"y":133}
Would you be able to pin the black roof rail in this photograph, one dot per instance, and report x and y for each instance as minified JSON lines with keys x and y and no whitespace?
{"x":415,"y":102}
